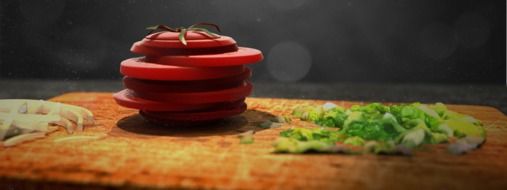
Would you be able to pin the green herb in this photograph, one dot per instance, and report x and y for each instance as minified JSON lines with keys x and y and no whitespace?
{"x":289,"y":145}
{"x":300,"y":140}
{"x":380,"y":129}
{"x":199,"y":27}
{"x":357,"y":141}
{"x":328,"y":136}
{"x":246,"y":137}
{"x":281,"y":119}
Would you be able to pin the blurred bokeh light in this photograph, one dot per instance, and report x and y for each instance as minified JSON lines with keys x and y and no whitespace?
{"x":388,"y":41}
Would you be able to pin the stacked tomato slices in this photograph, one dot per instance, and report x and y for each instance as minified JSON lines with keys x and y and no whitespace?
{"x":204,"y":80}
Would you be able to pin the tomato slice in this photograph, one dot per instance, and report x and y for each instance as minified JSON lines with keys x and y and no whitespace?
{"x":137,"y":68}
{"x":139,"y":48}
{"x":140,"y":85}
{"x":127,"y":99}
{"x":230,"y":94}
{"x":243,"y":56}
{"x":167,"y":117}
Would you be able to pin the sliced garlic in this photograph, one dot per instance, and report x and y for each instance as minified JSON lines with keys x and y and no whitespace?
{"x":79,"y":138}
{"x":23,"y":118}
{"x":23,"y":138}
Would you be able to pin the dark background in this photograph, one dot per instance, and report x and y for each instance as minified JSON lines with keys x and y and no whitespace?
{"x":389,"y":41}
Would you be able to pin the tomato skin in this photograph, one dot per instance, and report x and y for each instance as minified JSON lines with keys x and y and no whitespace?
{"x":148,"y":51}
{"x":140,"y":49}
{"x":127,"y":99}
{"x":243,"y":56}
{"x":195,"y":116}
{"x":140,"y":85}
{"x":230,"y":94}
{"x":198,"y":82}
{"x":138,"y":68}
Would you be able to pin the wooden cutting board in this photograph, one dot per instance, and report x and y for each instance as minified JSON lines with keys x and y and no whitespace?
{"x":135,"y":154}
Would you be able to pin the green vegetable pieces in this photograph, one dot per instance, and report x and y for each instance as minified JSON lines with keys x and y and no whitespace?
{"x":246,"y":137}
{"x":380,"y":129}
{"x":299,"y":140}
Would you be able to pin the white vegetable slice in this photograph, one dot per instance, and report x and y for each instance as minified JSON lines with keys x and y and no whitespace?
{"x":6,"y":124}
{"x":23,"y":108}
{"x":52,"y":129}
{"x":41,"y":126}
{"x":73,"y":116}
{"x":465,"y":145}
{"x":23,"y":138}
{"x":84,"y":114}
{"x":55,"y":109}
{"x":428,"y":111}
{"x":66,"y":124}
{"x":35,"y":106}
{"x":30,"y":117}
{"x":22,"y":119}
{"x":79,"y":138}
{"x":328,"y":106}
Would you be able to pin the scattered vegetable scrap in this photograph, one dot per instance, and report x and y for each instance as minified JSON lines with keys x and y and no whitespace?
{"x":380,"y":129}
{"x":25,"y":120}
{"x":246,"y":137}
{"x":274,"y":122}
{"x":23,"y":137}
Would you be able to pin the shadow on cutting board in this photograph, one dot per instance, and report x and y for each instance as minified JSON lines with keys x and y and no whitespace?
{"x":136,"y":126}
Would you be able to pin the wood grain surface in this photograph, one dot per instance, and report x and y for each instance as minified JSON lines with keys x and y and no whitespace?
{"x":137,"y":155}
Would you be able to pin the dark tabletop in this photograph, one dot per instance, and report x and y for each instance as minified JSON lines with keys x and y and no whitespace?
{"x":495,"y":96}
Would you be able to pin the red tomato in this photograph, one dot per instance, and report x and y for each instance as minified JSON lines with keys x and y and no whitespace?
{"x":198,"y":81}
{"x":139,"y":48}
{"x":243,"y":56}
{"x":140,"y":85}
{"x":165,"y":117}
{"x":127,"y":99}
{"x":137,"y":68}
{"x":230,"y":94}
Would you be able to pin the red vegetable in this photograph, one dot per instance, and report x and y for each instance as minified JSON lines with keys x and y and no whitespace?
{"x":137,"y":68}
{"x":201,"y":80}
{"x":230,"y":94}
{"x":141,"y":85}
{"x":195,"y":116}
{"x":126,"y":98}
